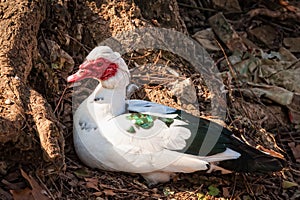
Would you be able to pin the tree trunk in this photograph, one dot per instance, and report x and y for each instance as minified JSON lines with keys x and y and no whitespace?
{"x":19,"y":104}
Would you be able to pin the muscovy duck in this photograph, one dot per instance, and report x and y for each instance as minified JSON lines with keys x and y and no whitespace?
{"x":154,"y":140}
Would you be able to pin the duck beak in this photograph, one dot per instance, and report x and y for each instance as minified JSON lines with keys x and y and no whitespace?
{"x":85,"y":71}
{"x":79,"y":75}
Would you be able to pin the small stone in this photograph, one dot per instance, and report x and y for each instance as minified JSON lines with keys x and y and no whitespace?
{"x":8,"y":102}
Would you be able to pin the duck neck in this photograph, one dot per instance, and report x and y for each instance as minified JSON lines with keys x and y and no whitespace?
{"x":108,"y":102}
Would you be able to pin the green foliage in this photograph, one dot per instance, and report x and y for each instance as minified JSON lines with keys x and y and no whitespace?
{"x":213,"y":191}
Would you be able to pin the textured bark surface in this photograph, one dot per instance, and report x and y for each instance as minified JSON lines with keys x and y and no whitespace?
{"x":162,"y":13}
{"x":19,"y":104}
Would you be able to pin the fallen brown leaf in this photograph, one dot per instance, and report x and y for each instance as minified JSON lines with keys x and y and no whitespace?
{"x":97,"y":194}
{"x":25,"y":194}
{"x":225,"y":191}
{"x":109,"y":192}
{"x":288,"y":6}
{"x":92,"y":183}
{"x":283,"y":2}
{"x":292,"y":8}
{"x":37,"y":191}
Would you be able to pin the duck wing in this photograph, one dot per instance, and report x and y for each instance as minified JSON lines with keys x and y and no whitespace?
{"x":209,"y":141}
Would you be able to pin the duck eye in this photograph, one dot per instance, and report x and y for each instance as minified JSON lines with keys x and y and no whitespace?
{"x":99,"y":64}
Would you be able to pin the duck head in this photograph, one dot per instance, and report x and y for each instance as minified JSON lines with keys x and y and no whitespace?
{"x":105,"y":65}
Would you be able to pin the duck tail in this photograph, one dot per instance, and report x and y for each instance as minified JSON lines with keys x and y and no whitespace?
{"x":253,"y":160}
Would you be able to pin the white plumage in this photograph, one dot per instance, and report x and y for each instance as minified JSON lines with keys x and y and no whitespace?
{"x":107,"y":137}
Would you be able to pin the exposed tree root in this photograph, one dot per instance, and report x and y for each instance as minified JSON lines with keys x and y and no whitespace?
{"x":20,"y":23}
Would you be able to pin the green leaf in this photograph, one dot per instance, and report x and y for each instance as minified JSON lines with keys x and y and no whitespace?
{"x":82,"y":172}
{"x":213,"y":191}
{"x":288,"y":184}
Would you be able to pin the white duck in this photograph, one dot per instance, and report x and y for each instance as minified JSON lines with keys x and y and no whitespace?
{"x":153,"y":140}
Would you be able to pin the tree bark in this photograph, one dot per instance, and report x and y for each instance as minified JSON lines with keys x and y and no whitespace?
{"x":20,"y":22}
{"x":164,"y":12}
